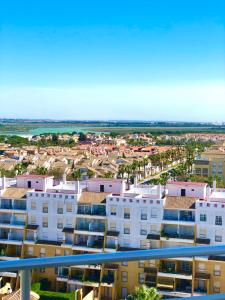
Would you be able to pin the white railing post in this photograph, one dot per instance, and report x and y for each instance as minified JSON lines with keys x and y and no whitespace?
{"x":25,"y":282}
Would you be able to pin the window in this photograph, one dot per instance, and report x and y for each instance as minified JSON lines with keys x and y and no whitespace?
{"x":112,"y":226}
{"x":124,"y":276}
{"x":202,"y":233}
{"x":154,"y":213}
{"x":42,"y":252}
{"x":42,"y":270}
{"x":216,"y":288}
{"x":218,"y":238}
{"x":57,"y":252}
{"x":217,"y":270}
{"x":143,"y":230}
{"x":201,"y":267}
{"x":143,"y":244}
{"x":218,"y":220}
{"x":33,"y":205}
{"x":126,"y":229}
{"x":30,"y":251}
{"x":124,"y":292}
{"x":203,"y":218}
{"x":141,"y":264}
{"x":45,"y":222}
{"x":124,"y":263}
{"x":141,"y":278}
{"x":69,"y":207}
{"x":60,"y":210}
{"x":143,"y":214}
{"x":60,"y":224}
{"x":126,"y":213}
{"x":113,"y":210}
{"x":153,"y":229}
{"x":33,"y":220}
{"x":45,"y":208}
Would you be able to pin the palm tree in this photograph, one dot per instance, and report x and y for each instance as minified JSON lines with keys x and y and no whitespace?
{"x":109,"y":175}
{"x":76,"y":174}
{"x":121,"y":170}
{"x":90,"y":173}
{"x":41,"y":171}
{"x":128,"y":170}
{"x":145,"y":162}
{"x":163,"y":179}
{"x":144,"y":293}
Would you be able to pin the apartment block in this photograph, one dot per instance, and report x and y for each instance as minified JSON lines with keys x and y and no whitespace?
{"x":211,"y":163}
{"x":40,"y":217}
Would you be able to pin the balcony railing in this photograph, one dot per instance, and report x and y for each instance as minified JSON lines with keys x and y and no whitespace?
{"x":177,"y":235}
{"x":26,"y":265}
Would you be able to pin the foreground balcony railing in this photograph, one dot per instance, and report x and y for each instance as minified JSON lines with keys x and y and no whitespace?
{"x":26,"y":265}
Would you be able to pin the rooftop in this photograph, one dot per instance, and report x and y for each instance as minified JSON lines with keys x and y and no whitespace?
{"x":180,"y":202}
{"x":32,"y":176}
{"x":15,"y":193}
{"x":92,"y":197}
{"x":187,"y":183}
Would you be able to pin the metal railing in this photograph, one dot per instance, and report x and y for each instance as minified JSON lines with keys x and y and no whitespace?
{"x":26,"y":265}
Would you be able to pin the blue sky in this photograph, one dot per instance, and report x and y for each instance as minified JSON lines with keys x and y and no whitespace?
{"x":113,"y":59}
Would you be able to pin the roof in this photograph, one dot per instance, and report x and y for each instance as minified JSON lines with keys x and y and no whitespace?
{"x":180,"y":202}
{"x":16,"y":296}
{"x":92,"y":197}
{"x":187,"y":183}
{"x":33,"y":176}
{"x":107,"y":179}
{"x":15,"y":193}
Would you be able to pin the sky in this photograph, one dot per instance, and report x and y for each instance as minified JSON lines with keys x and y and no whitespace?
{"x":137,"y":60}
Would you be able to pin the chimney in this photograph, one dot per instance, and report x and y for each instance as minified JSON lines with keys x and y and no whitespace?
{"x":3,"y":182}
{"x":122,"y":188}
{"x":214,"y":185}
{"x":64,"y":178}
{"x":135,"y":182}
{"x":208,"y":192}
{"x":159,"y":189}
{"x":78,"y":187}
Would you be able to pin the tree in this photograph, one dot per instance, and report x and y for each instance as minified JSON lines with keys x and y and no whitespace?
{"x":164,"y":178}
{"x":82,"y":137}
{"x":144,"y":293}
{"x":128,"y":170}
{"x":55,"y":139}
{"x":41,"y":171}
{"x":145,"y":162}
{"x":56,"y":172}
{"x":121,"y":170}
{"x":109,"y":175}
{"x":90,"y":173}
{"x":76,"y":174}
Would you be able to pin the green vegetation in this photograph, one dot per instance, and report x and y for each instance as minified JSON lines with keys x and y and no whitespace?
{"x":13,"y":126}
{"x":137,"y":142}
{"x":44,"y":294}
{"x":144,"y":293}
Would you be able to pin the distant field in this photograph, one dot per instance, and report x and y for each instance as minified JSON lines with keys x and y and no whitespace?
{"x":40,"y":127}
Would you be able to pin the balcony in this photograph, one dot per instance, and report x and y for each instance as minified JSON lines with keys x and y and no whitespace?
{"x":108,"y":280}
{"x":202,"y":241}
{"x":90,"y":229}
{"x":168,"y":236}
{"x":111,"y":246}
{"x":169,"y":272}
{"x":12,"y":223}
{"x":63,"y":275}
{"x":92,"y":279}
{"x":150,"y":280}
{"x":95,"y":246}
{"x":76,"y":277}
